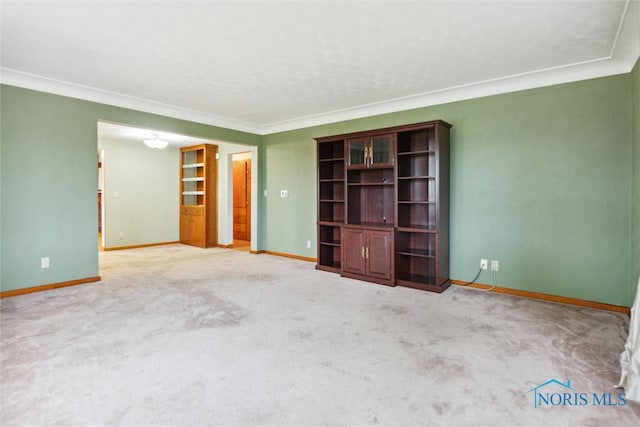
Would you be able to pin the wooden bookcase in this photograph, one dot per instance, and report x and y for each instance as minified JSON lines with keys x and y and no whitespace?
{"x":422,"y":232}
{"x":383,"y":205}
{"x":331,"y":204}
{"x":198,"y":195}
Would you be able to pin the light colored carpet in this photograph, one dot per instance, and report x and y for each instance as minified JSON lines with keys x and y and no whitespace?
{"x":176,"y":335}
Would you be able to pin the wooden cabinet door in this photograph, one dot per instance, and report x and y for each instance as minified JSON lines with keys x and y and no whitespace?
{"x":378,"y":254}
{"x":192,"y":230}
{"x":368,"y":252}
{"x":353,"y":250}
{"x":198,"y":231}
{"x":185,"y":229}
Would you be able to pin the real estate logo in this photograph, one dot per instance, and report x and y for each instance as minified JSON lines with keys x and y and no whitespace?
{"x":556,"y":393}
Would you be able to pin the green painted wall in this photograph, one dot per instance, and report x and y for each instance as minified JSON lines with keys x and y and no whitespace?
{"x":635,"y":232}
{"x":49,"y":181}
{"x":540,"y":180}
{"x":290,"y":221}
{"x":146,"y":182}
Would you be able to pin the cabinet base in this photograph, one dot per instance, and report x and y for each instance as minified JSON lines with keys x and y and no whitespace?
{"x":377,"y":280}
{"x":425,"y":287}
{"x":417,"y":283}
{"x":327,"y":268}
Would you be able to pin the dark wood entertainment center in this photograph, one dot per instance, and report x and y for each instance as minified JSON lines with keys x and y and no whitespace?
{"x":383,"y":205}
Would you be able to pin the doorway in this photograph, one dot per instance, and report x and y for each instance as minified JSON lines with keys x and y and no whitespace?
{"x":100,"y":199}
{"x":242,"y":201}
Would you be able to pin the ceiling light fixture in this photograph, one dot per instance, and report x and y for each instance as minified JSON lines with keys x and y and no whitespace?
{"x":156,"y":143}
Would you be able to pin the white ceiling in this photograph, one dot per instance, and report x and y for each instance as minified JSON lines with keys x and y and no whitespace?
{"x":275,"y":65}
{"x":107,"y":130}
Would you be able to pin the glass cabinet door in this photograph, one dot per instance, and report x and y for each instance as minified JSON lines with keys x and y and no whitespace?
{"x":357,"y":153}
{"x":374,"y":152}
{"x":381,"y":152}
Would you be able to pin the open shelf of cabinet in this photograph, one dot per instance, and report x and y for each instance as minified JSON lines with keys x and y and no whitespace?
{"x":329,"y":245}
{"x":331,"y":204}
{"x":422,"y":235}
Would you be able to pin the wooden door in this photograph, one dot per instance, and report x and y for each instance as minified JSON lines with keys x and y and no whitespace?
{"x":242,"y":199}
{"x":378,"y":254}
{"x":353,"y":244}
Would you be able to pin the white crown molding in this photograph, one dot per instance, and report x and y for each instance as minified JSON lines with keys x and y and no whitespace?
{"x":57,"y":87}
{"x":626,"y":46}
{"x":625,"y":52}
{"x":566,"y":74}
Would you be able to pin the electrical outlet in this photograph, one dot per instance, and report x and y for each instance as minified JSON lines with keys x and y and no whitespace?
{"x":44,"y":262}
{"x":308,"y":243}
{"x":484,"y":264}
{"x":121,"y":235}
{"x":495,"y":265}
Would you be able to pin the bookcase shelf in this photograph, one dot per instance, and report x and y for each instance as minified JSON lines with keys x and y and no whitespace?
{"x":331,"y":204}
{"x":383,"y":205}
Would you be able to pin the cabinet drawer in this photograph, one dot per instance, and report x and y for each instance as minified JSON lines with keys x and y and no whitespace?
{"x":192,"y":210}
